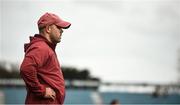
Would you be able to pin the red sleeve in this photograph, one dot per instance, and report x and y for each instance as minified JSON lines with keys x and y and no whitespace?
{"x":28,"y":71}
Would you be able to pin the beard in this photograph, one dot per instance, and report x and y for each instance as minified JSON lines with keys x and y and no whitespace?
{"x":55,"y":39}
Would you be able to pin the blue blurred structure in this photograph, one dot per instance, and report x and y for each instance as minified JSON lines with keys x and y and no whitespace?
{"x":140,"y":98}
{"x":79,"y":96}
{"x":15,"y":94}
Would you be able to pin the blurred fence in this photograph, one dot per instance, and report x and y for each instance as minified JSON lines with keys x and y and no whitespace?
{"x":13,"y":91}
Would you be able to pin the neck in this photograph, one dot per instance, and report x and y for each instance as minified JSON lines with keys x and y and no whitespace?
{"x":52,"y":45}
{"x":46,"y":36}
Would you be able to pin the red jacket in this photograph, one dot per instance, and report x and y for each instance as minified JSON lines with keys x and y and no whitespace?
{"x":40,"y":69}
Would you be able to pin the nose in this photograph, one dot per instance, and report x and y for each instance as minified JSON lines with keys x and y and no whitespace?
{"x":61,"y":30}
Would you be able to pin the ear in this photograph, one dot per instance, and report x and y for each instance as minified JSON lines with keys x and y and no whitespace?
{"x":48,"y":29}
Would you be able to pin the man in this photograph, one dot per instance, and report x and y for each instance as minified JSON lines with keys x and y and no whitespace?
{"x":40,"y":68}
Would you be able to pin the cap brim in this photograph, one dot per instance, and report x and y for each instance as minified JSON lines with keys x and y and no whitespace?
{"x":64,"y":24}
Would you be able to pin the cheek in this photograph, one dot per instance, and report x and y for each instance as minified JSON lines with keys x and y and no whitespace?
{"x":56,"y":32}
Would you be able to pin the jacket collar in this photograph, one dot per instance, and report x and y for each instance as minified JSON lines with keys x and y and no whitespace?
{"x":52,"y":45}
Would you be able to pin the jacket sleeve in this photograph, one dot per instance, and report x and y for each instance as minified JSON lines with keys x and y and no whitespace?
{"x":28,"y":71}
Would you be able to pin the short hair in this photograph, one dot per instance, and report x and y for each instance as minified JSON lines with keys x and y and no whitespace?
{"x":115,"y":101}
{"x":41,"y":29}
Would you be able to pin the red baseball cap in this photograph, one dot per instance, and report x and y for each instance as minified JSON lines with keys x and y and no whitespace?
{"x":50,"y":18}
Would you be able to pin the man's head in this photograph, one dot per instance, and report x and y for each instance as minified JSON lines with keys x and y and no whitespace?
{"x":115,"y":102}
{"x":51,"y":26}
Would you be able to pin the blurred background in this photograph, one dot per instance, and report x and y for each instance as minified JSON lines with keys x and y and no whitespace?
{"x":127,"y":50}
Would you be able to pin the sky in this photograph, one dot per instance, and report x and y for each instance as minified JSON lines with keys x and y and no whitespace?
{"x":117,"y":40}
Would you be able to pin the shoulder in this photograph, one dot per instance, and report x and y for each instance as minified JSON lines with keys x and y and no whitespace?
{"x":40,"y":48}
{"x":39,"y":52}
{"x":41,"y":45}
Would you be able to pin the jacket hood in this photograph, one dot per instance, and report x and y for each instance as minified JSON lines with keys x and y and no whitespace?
{"x":38,"y":38}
